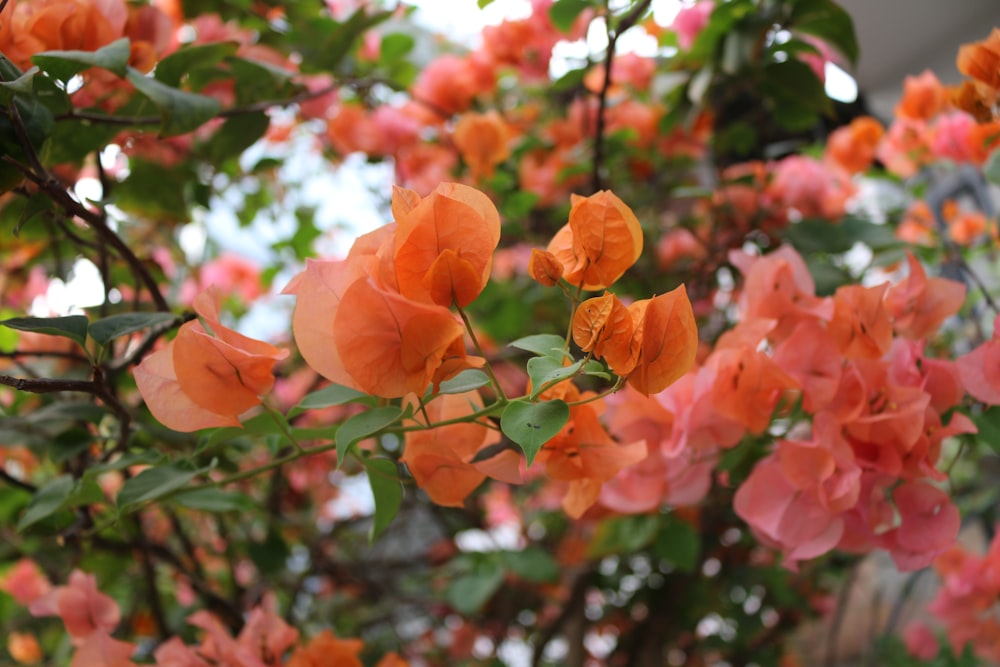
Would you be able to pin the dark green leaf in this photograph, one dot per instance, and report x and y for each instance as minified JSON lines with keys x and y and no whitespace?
{"x":324,"y":43}
{"x":623,"y":535}
{"x":236,"y":135}
{"x":155,"y":191}
{"x":470,"y":592}
{"x":171,"y":70}
{"x":47,"y":501}
{"x":256,"y":81}
{"x":548,"y":345}
{"x":64,"y":65}
{"x":533,"y":564}
{"x":564,"y":12}
{"x":24,"y":84}
{"x":467,"y":380}
{"x":271,"y":555}
{"x":828,"y":21}
{"x":531,"y":425}
{"x":211,"y":499}
{"x":362,"y":426}
{"x":155,"y":483}
{"x":988,"y":423}
{"x":387,"y":491}
{"x":335,"y":394}
{"x":180,"y":111}
{"x":108,"y":328}
{"x":679,"y":543}
{"x":73,"y":327}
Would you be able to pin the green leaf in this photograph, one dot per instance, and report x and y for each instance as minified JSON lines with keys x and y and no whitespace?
{"x":988,"y":423}
{"x":128,"y":460}
{"x":324,"y":43}
{"x":546,"y":371}
{"x":533,"y":564}
{"x":679,"y":543}
{"x":395,"y":46}
{"x":467,"y":380}
{"x":484,"y":3}
{"x":73,"y":327}
{"x":531,"y":425}
{"x":335,"y":394}
{"x":271,"y":555}
{"x":362,"y":426}
{"x":387,"y":491}
{"x":991,"y":170}
{"x":154,"y":483}
{"x":236,"y":135}
{"x":171,"y":70}
{"x":256,"y":81}
{"x":24,"y":84}
{"x":470,"y":592}
{"x":623,"y":535}
{"x":548,"y":345}
{"x":828,"y":21}
{"x":108,"y":328}
{"x":47,"y":501}
{"x":564,"y":12}
{"x":211,"y":499}
{"x":155,"y":191}
{"x":180,"y":111}
{"x":64,"y":65}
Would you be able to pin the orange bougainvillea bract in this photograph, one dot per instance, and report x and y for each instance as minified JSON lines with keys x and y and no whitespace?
{"x":600,"y":242}
{"x":206,"y":376}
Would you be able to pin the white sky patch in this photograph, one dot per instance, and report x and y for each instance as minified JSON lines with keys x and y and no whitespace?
{"x":840,"y":85}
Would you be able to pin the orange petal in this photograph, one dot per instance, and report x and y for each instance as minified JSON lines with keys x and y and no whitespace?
{"x":390,"y":345}
{"x":606,"y":241}
{"x":669,"y":337}
{"x":157,"y":384}
{"x":544,"y":267}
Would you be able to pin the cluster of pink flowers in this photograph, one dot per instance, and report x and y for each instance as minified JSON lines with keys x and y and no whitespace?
{"x":856,"y":469}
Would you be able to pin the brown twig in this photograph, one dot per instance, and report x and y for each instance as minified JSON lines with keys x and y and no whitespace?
{"x":626,"y":22}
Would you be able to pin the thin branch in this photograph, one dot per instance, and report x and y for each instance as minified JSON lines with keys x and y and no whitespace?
{"x":626,"y":22}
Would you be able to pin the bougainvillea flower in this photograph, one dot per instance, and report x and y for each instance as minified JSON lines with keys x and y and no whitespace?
{"x":981,"y":60}
{"x":389,"y":345}
{"x":325,"y":649}
{"x":779,"y":286}
{"x":929,"y":524}
{"x":441,"y":459}
{"x":604,"y":326}
{"x":206,"y":376}
{"x":860,"y":325}
{"x":600,"y":242}
{"x":100,"y":648}
{"x":782,"y":515}
{"x":805,"y":356}
{"x":83,"y":609}
{"x":544,"y":267}
{"x":748,"y":386}
{"x":264,"y":636}
{"x":25,"y":582}
{"x":444,"y":245}
{"x":483,"y":141}
{"x":667,"y":336}
{"x":919,"y":304}
{"x":584,"y":455}
{"x":980,"y":369}
{"x":923,"y":97}
{"x":853,"y":146}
